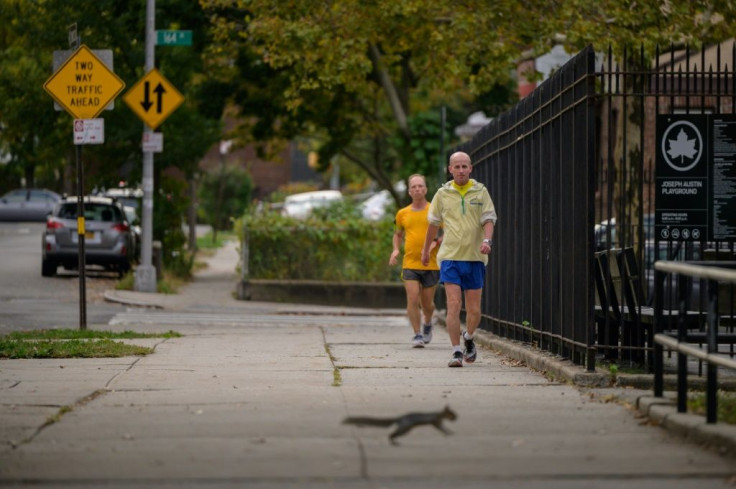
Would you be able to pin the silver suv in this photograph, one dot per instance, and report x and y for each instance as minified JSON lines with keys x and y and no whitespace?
{"x":108,"y":239}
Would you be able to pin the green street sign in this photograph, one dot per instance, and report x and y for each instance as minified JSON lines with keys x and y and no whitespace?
{"x":173,"y":38}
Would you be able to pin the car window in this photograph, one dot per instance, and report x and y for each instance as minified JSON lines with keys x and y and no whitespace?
{"x":68,"y":211}
{"x":102,"y":212}
{"x":16,"y":196}
{"x":92,"y":212}
{"x":40,"y":195}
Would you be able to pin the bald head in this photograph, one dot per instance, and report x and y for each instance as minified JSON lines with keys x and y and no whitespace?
{"x":459,"y":156}
{"x":460,"y":167}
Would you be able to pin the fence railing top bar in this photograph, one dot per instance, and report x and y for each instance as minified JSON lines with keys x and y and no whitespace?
{"x":718,"y":273}
{"x":674,"y":344}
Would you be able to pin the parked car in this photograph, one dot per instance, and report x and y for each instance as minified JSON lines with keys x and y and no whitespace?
{"x":379,"y":204}
{"x":27,"y":204}
{"x":300,"y":206}
{"x":108,"y":238}
{"x":375,"y":207}
{"x":127,"y":196}
{"x":135,"y":226}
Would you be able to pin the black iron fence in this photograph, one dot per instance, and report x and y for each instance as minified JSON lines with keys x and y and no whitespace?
{"x":571,"y":171}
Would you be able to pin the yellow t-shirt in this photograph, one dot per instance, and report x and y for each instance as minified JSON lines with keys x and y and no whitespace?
{"x":463,"y":189}
{"x":414,"y":224}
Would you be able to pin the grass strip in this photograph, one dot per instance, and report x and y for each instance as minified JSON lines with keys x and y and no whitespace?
{"x":75,"y":343}
{"x":73,"y":348}
{"x":726,"y":406}
{"x":69,"y":334}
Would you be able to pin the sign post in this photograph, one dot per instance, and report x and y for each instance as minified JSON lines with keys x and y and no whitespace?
{"x":83,"y":86}
{"x":153,"y":99}
{"x":145,"y":274}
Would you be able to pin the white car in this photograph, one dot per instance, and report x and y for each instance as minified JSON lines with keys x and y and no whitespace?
{"x":374,"y":207}
{"x":300,"y":206}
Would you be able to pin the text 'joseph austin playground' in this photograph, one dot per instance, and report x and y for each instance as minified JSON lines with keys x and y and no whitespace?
{"x":680,"y":187}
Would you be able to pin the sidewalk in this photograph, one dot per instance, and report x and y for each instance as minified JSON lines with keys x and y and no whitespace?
{"x":255,"y":395}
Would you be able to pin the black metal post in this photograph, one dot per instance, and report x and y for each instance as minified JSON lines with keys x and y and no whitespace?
{"x":682,"y":286}
{"x":711,"y":402}
{"x":658,"y":322}
{"x":80,"y":241}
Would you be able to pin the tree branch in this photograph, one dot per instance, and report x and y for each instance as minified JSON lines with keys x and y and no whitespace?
{"x":390,"y":89}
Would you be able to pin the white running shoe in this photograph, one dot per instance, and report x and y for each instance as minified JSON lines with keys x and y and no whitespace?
{"x":427,"y":333}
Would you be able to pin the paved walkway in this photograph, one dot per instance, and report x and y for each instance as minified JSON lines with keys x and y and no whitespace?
{"x":254,"y":394}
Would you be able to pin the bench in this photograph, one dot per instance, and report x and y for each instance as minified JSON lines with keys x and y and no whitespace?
{"x":626,"y":326}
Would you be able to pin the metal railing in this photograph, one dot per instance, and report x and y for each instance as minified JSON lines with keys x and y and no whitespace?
{"x":571,"y":170}
{"x":535,"y":160}
{"x":714,"y":274}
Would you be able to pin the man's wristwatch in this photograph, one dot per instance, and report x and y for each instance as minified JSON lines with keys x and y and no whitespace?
{"x":488,"y":241}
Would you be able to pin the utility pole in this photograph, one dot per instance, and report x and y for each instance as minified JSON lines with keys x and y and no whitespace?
{"x":443,"y":122}
{"x":145,"y":276}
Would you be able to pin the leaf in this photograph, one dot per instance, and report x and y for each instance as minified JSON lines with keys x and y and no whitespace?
{"x":682,"y":146}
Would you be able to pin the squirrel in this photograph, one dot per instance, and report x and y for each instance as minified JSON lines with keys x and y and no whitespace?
{"x":407,"y":422}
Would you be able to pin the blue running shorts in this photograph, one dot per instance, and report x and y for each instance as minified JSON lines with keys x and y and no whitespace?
{"x":469,"y":275}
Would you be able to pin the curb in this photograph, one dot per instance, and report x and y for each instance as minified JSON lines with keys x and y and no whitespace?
{"x":720,"y":437}
{"x":112,"y":296}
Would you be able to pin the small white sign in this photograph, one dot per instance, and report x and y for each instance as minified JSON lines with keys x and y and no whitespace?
{"x":89,"y":131}
{"x":153,"y":142}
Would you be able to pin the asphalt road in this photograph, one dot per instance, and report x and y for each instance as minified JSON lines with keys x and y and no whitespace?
{"x":30,"y":301}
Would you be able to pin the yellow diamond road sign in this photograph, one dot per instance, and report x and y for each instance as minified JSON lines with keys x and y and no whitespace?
{"x":84,"y":85}
{"x":153,"y":98}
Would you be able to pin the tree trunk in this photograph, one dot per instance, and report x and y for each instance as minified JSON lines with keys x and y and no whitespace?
{"x":192,"y":214}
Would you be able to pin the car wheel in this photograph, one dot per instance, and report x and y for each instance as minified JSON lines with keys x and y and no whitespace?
{"x":48,"y":268}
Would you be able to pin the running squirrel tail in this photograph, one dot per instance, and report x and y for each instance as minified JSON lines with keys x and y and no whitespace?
{"x":368,"y":421}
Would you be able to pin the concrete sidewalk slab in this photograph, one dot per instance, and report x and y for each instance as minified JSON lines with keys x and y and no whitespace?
{"x":256,"y":399}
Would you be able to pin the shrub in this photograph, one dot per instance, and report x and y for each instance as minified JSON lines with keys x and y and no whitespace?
{"x":223,"y":194}
{"x":334,"y":244}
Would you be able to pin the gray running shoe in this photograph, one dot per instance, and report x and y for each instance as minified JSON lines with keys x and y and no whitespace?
{"x":457,"y":360}
{"x":427,"y":333}
{"x":418,"y":341}
{"x":470,"y":352}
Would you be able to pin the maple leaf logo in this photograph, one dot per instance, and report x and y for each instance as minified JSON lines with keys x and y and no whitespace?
{"x":682,"y":147}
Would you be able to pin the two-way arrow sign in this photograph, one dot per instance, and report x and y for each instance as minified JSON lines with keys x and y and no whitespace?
{"x":153,"y":105}
{"x":159,"y":90}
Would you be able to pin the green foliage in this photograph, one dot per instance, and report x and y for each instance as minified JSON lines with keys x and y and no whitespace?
{"x":726,"y":405}
{"x":38,"y":138}
{"x":170,"y":203}
{"x":224,"y":194}
{"x":74,"y":343}
{"x":126,"y":282}
{"x":613,"y":370}
{"x":290,"y":189}
{"x":333,"y":244}
{"x":352,"y":75}
{"x":209,"y":242}
{"x":64,"y":333}
{"x":69,"y":349}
